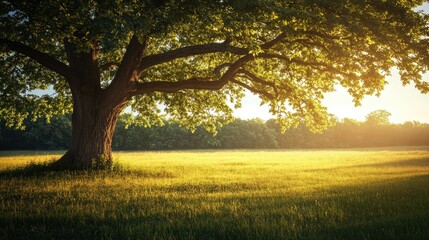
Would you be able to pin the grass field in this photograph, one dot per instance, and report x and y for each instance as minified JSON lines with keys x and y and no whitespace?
{"x":313,"y":194}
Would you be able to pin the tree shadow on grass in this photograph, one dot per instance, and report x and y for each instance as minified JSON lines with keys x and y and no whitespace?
{"x":31,"y":169}
{"x":51,"y":169}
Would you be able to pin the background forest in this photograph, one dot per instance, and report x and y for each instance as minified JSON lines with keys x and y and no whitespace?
{"x":375,"y":131}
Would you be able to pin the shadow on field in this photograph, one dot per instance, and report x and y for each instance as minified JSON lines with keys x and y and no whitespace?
{"x":420,"y":162}
{"x":50,"y":169}
{"x":30,"y":170}
{"x":390,"y":209}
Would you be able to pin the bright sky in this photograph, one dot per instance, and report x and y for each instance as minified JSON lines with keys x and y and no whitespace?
{"x":405,"y":103}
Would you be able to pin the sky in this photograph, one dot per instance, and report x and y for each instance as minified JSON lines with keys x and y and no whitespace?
{"x":405,"y":103}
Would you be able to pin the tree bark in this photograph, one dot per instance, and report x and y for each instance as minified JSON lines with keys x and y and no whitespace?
{"x":93,"y":124}
{"x":96,"y":110}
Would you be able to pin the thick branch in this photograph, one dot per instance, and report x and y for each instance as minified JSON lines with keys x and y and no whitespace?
{"x":170,"y":87}
{"x":156,"y":59}
{"x":188,"y":51}
{"x":273,"y":42}
{"x":118,"y":91}
{"x":127,"y":70}
{"x":42,"y":58}
{"x":192,"y":83}
{"x":196,"y":83}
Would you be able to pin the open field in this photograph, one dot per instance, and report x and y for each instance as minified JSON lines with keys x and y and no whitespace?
{"x":312,"y":194}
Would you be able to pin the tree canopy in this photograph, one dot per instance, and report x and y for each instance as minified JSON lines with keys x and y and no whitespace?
{"x":195,"y":58}
{"x":287,"y":52}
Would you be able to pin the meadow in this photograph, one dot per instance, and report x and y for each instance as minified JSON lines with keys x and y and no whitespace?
{"x":272,"y":194}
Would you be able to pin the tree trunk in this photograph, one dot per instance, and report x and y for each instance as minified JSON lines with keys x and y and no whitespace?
{"x":96,"y":110}
{"x":93,"y":124}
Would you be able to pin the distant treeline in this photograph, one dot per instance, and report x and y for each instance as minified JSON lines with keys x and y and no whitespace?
{"x":376,"y":131}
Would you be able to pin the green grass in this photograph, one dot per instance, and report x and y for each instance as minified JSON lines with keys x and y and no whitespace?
{"x":313,"y":194}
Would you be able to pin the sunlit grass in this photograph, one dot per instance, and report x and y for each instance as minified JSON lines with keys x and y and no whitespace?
{"x":337,"y":194}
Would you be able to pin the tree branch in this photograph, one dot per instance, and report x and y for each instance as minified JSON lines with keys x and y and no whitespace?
{"x":316,"y":65}
{"x":108,"y":66}
{"x":156,"y":59}
{"x":254,"y":78}
{"x":307,"y":42}
{"x":127,"y":70}
{"x":219,"y":68}
{"x":42,"y":58}
{"x":291,"y":60}
{"x":170,"y":87}
{"x":196,"y":83}
{"x":188,"y":51}
{"x":192,"y":83}
{"x":254,"y":90}
{"x":273,"y":42}
{"x":327,"y":36}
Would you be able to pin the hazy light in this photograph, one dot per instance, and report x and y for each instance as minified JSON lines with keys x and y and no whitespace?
{"x":405,"y":103}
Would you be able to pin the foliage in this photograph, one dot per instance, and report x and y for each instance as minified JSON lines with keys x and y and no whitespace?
{"x":239,"y":134}
{"x":289,"y":53}
{"x":38,"y":135}
{"x":345,"y":194}
{"x":247,"y":134}
{"x":378,"y":118}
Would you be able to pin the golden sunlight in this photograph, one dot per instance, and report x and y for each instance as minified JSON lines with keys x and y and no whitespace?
{"x":405,"y":103}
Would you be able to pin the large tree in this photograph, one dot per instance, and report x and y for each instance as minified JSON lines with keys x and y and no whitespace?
{"x":194,"y":58}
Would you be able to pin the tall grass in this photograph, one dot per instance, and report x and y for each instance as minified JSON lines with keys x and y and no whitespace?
{"x":353,"y":194}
